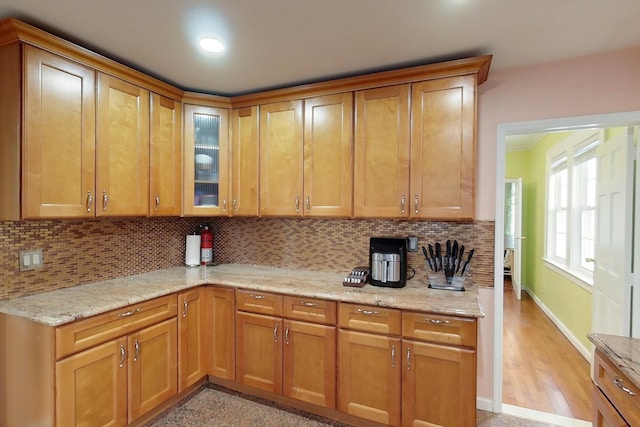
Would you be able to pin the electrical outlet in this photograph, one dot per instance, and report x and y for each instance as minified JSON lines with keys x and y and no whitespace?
{"x":413,"y":244}
{"x":31,"y":259}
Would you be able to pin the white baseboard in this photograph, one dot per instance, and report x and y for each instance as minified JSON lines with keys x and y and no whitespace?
{"x":544,"y":417}
{"x":484,"y":404}
{"x":586,"y":353}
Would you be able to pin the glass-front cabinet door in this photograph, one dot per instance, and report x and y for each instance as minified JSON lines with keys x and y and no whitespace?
{"x":206,"y":148}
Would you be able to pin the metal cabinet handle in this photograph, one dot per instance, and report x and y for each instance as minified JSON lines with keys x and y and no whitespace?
{"x":309,"y":304}
{"x":185,"y":307}
{"x":618,"y":382}
{"x":415,"y":203}
{"x":367,"y":312}
{"x":105,"y":200}
{"x":235,"y":205}
{"x":275,"y":333}
{"x":129,"y":313}
{"x":402,"y":200}
{"x":286,"y":335}
{"x":89,"y":201}
{"x":157,"y":202}
{"x":224,"y":204}
{"x":297,"y":203}
{"x":393,"y":356}
{"x":123,"y":356}
{"x":255,"y":296}
{"x":408,"y":358}
{"x":437,"y":321}
{"x":136,"y":345}
{"x":307,"y":203}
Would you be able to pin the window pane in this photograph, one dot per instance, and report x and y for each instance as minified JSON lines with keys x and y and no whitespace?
{"x":563,"y":184}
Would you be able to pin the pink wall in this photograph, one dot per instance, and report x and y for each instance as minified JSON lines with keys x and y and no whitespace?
{"x":596,"y":84}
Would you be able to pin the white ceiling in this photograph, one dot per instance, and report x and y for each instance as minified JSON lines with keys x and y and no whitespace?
{"x":274,"y":43}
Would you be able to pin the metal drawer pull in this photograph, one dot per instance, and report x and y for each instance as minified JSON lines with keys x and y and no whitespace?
{"x":367,"y":312}
{"x":136,"y":345}
{"x":402,"y":200}
{"x":415,"y":203}
{"x":437,"y":321}
{"x":286,"y":335}
{"x":224,"y":204}
{"x":297,"y":204}
{"x":256,"y":296}
{"x":308,"y":204}
{"x":157,"y":202}
{"x":105,"y":200}
{"x":408,"y":358}
{"x":129,"y":313}
{"x":123,"y":356}
{"x":275,"y":333}
{"x":235,"y":205}
{"x":309,"y":304}
{"x":618,"y":382}
{"x":185,"y":307}
{"x":89,"y":201}
{"x":393,"y":356}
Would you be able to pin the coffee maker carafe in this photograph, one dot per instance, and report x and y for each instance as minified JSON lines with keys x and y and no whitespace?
{"x":388,"y":262}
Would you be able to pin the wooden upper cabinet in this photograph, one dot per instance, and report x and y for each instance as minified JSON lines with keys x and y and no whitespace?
{"x":281,"y":159}
{"x":443,"y":116}
{"x":206,"y":161}
{"x":245,"y":161}
{"x":165,"y":157}
{"x":122,"y":148}
{"x":59,"y":137}
{"x":381,"y":162}
{"x":328,"y":156}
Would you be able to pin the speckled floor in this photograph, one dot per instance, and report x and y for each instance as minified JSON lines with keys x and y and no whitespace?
{"x":215,"y":408}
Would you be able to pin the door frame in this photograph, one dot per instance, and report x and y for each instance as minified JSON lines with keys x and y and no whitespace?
{"x":629,"y":118}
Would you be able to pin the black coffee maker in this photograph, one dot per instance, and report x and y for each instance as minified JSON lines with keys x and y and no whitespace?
{"x":388,"y":262}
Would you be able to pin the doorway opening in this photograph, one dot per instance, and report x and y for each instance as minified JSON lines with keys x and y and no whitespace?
{"x":501,"y":241}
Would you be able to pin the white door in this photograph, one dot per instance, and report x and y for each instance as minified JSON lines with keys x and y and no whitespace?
{"x":516,"y":237}
{"x":611,"y":280}
{"x":635,"y":301}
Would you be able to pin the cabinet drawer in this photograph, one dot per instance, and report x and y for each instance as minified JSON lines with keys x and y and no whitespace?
{"x":95,"y":330}
{"x":439,"y":329}
{"x":310,"y":309}
{"x":368,"y":318}
{"x":619,"y":390}
{"x":259,"y":302}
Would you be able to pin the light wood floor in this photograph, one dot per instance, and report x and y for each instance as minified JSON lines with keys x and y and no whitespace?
{"x":541,"y":369}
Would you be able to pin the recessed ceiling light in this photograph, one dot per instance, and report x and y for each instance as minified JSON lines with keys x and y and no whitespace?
{"x":211,"y":45}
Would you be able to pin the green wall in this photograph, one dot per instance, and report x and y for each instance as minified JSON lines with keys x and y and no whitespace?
{"x":568,"y":302}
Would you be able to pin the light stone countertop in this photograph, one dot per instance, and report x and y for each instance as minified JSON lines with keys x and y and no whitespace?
{"x":623,"y":352}
{"x":67,"y":305}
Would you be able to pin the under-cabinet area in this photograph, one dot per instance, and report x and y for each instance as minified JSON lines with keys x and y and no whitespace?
{"x":119,"y":352}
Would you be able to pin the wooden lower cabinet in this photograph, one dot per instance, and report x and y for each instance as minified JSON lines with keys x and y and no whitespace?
{"x":604,"y":413}
{"x":221,"y":334}
{"x":310,"y":363}
{"x":96,"y":386}
{"x":192,"y":316}
{"x":438,"y":385}
{"x":369,"y":376}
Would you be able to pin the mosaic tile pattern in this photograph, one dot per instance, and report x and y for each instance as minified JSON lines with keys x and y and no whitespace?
{"x":79,"y":252}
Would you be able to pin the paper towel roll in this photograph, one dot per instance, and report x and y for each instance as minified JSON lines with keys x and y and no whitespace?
{"x":192,"y":251}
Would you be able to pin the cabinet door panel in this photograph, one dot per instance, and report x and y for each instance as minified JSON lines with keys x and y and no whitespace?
{"x":281,"y":159}
{"x":152,"y":367}
{"x":443,"y":148}
{"x":450,"y":371}
{"x":245,"y":162}
{"x":122,"y":148}
{"x":165,"y":157}
{"x":59,"y":137}
{"x":369,"y":376}
{"x":382,"y":153}
{"x":259,"y":351}
{"x":310,"y":363}
{"x":92,"y":387}
{"x":222,"y":333}
{"x":192,"y":337}
{"x":328,"y":156}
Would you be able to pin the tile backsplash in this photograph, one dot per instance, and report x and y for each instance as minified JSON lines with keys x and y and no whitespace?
{"x":84,"y":251}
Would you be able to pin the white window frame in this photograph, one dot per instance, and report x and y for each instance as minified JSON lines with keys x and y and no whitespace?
{"x":578,"y":147}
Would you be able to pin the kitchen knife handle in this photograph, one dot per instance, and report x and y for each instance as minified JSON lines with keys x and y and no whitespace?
{"x":402,"y":200}
{"x":415,"y":203}
{"x":89,"y":201}
{"x":297,"y":203}
{"x":136,"y":345}
{"x":123,"y":356}
{"x":393,"y":356}
{"x":275,"y":333}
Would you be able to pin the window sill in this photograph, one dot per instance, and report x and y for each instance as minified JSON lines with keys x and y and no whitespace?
{"x":580,"y":280}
